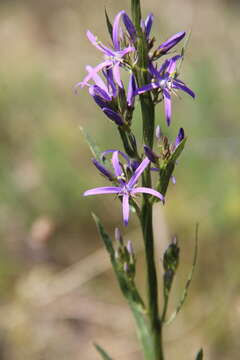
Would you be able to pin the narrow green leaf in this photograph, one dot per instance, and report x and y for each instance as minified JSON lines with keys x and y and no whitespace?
{"x":200,"y":355}
{"x":131,"y":293}
{"x":102,"y":352}
{"x":92,"y":145}
{"x":189,"y":280}
{"x":109,"y":24}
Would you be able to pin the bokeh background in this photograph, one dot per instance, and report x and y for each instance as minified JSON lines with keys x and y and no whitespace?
{"x":58,"y":294}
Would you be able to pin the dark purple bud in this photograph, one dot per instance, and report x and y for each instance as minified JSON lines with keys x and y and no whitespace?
{"x":148,"y":25}
{"x":129,"y":26}
{"x":103,"y":170}
{"x":97,"y":91}
{"x":131,"y":91}
{"x":179,"y":137}
{"x":150,"y":154}
{"x":108,"y":73}
{"x":171,"y":42}
{"x":98,"y":99}
{"x":113,"y":115}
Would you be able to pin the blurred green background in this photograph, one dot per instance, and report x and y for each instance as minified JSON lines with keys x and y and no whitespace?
{"x":58,"y":293}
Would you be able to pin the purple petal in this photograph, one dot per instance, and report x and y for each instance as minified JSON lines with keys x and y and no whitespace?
{"x":116,"y":165}
{"x":97,"y":91}
{"x":98,"y":81}
{"x":125,"y":51}
{"x":103,"y":170}
{"x":148,"y":25}
{"x":167,"y":106}
{"x":115,"y":34}
{"x":116,"y":74}
{"x":113,"y":115}
{"x":129,"y":26}
{"x":173,"y":180}
{"x":138,"y":172}
{"x":92,"y":73}
{"x":179,"y":85}
{"x":108,"y":73}
{"x":102,"y":190}
{"x":93,"y":39}
{"x":172,"y":64}
{"x":125,"y":208}
{"x":119,"y":152}
{"x":146,"y":88}
{"x":131,"y":91}
{"x":148,"y":191}
{"x":179,"y":137}
{"x":171,"y":42}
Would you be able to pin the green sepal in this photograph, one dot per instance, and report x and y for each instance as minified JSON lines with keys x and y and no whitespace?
{"x":200,"y":355}
{"x":109,"y":24}
{"x":102,"y":352}
{"x":131,"y":293}
{"x":188,"y":282}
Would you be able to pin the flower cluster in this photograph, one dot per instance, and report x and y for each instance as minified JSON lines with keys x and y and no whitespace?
{"x":117,"y":102}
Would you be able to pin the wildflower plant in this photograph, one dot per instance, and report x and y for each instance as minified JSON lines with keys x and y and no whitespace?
{"x":153,"y":77}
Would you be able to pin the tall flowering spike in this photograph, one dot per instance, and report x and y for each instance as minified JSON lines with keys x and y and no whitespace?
{"x":164,"y":80}
{"x":125,"y":190}
{"x":171,"y":42}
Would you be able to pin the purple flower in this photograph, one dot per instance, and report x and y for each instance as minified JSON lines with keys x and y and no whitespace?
{"x":126,"y":189}
{"x":163,"y":79}
{"x":171,"y":42}
{"x":114,"y":58}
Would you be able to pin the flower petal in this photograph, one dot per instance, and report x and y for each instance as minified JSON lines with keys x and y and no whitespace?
{"x":97,"y":79}
{"x":149,"y":191}
{"x":179,"y":85}
{"x":92,"y":73}
{"x":93,"y":39}
{"x":102,"y":190}
{"x":138,"y":172}
{"x":146,"y":88}
{"x":167,"y":106}
{"x":115,"y":34}
{"x":116,"y":74}
{"x":172,"y":64}
{"x":129,"y":26}
{"x":116,"y":165}
{"x":125,"y":208}
{"x":103,"y":170}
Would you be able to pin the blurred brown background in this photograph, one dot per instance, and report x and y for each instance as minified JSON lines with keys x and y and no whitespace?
{"x":58,"y":293}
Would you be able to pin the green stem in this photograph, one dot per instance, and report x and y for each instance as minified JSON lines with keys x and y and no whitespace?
{"x":148,"y":116}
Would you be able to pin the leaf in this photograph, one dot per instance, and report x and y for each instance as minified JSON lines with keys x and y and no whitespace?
{"x":92,"y":145}
{"x":102,"y":352}
{"x":109,"y":24}
{"x":130,"y":292}
{"x":200,"y":355}
{"x":189,"y":280}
